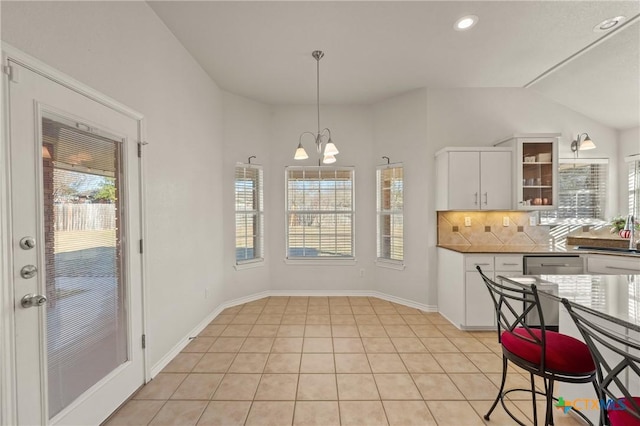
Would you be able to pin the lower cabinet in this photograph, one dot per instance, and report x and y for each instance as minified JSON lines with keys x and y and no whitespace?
{"x":463,"y":298}
{"x":612,"y":265}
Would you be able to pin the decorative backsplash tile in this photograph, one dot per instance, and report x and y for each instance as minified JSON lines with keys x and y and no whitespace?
{"x":488,"y":228}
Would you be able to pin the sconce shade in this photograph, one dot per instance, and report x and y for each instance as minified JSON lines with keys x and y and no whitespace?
{"x":329,"y":159}
{"x":587,"y":143}
{"x":331,"y":149}
{"x":301,"y":154}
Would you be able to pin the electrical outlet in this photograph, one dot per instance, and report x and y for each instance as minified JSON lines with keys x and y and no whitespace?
{"x":362,"y":272}
{"x":206,"y":292}
{"x":532,"y":221}
{"x":467,"y":221}
{"x":505,"y":221}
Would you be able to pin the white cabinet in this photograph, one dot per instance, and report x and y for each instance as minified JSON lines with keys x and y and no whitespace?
{"x":536,"y":170}
{"x":474,"y":179}
{"x":463,"y":297}
{"x":612,"y":265}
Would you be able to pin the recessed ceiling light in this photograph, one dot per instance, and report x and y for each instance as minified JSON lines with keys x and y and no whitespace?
{"x":465,"y":23}
{"x":608,"y":24}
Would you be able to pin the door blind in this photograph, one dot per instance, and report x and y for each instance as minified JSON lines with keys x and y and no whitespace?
{"x":83,"y":229}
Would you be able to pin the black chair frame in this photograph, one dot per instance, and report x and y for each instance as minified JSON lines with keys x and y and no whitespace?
{"x":507,"y":300}
{"x":598,"y":337}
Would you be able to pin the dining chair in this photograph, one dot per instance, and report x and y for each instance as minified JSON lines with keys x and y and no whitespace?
{"x":543,"y":353}
{"x":617,"y":358}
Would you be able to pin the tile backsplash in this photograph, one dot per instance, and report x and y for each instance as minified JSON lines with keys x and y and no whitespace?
{"x":488,"y":228}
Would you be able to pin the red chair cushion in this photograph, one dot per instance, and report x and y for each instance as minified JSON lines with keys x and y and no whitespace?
{"x":564,"y":354}
{"x":618,"y":417}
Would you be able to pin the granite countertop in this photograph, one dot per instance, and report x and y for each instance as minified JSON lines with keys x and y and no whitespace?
{"x":614,"y":296}
{"x":525,"y":249}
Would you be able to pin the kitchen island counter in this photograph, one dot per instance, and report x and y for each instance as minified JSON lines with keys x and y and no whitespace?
{"x":616,"y":297}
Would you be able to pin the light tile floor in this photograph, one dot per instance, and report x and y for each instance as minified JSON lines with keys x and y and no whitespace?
{"x":330,"y":361}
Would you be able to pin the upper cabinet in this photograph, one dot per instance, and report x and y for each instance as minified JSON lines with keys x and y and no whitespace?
{"x":536,"y":166}
{"x":474,"y":179}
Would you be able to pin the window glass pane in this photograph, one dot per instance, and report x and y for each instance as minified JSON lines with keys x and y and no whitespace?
{"x":582,"y":193}
{"x":320,"y":204}
{"x":249,"y":215}
{"x":390,"y":184}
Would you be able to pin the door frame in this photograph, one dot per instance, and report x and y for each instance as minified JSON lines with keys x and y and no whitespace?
{"x":8,"y":379}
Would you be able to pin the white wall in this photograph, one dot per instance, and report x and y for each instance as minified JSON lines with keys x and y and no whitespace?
{"x":351,"y":130}
{"x":247,"y":127}
{"x":628,"y":144}
{"x":123,"y":50}
{"x":400,"y":133}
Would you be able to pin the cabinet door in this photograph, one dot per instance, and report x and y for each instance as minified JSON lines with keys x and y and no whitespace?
{"x":464,"y":180}
{"x":496,"y":180}
{"x":612,"y":265}
{"x":479,"y":309}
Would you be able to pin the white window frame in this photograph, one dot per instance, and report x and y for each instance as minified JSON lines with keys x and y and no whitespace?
{"x":258,"y":213}
{"x":315,"y":260}
{"x":634,"y":185}
{"x":381,"y":212}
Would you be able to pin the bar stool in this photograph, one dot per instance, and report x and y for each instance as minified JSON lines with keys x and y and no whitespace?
{"x":622,"y":358}
{"x":544,"y":353}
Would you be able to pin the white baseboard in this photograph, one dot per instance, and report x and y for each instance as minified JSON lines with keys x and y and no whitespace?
{"x":157,"y":368}
{"x":201,"y":326}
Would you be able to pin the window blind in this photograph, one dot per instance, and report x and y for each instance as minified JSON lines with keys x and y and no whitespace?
{"x":634,"y":188}
{"x":320,"y":212}
{"x":249,"y":213}
{"x":390,"y":202}
{"x":582,"y":192}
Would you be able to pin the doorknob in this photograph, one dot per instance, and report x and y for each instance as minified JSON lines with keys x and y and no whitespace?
{"x":27,"y":243}
{"x":33,"y":300}
{"x":28,"y":271}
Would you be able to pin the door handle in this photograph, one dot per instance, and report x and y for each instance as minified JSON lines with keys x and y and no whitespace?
{"x":28,"y":271}
{"x":476,"y":201}
{"x":486,"y":198}
{"x":33,"y":300}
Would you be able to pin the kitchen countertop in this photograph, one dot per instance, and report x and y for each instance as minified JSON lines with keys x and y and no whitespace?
{"x":616,"y":297}
{"x":525,"y":249}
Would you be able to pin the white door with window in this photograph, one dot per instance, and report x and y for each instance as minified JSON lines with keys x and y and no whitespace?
{"x":76,"y":267}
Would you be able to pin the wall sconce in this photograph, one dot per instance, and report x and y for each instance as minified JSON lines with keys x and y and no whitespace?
{"x":580,"y":144}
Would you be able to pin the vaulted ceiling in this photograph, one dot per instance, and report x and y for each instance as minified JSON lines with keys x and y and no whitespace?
{"x":377,"y":49}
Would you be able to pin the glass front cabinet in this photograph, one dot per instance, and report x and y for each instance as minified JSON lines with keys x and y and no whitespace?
{"x":536,"y":170}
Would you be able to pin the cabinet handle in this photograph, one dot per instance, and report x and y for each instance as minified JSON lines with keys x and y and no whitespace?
{"x":620,"y":269}
{"x":476,"y":201}
{"x":486,"y":198}
{"x":511,"y":264}
{"x":557,"y":264}
{"x":482,"y":264}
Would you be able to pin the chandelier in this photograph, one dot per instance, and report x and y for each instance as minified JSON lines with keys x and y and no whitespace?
{"x":324,"y":145}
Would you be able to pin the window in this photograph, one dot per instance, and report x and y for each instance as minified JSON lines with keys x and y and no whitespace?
{"x":249,"y":214}
{"x":320,"y":212}
{"x":390,"y":235}
{"x":634,"y":185}
{"x":582,"y":192}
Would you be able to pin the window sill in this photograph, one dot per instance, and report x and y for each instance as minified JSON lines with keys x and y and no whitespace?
{"x":398,"y":266}
{"x":317,"y":262}
{"x":249,"y":265}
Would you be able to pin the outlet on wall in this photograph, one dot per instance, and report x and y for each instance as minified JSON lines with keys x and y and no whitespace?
{"x":532,"y":221}
{"x":467,"y":221}
{"x":505,"y":221}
